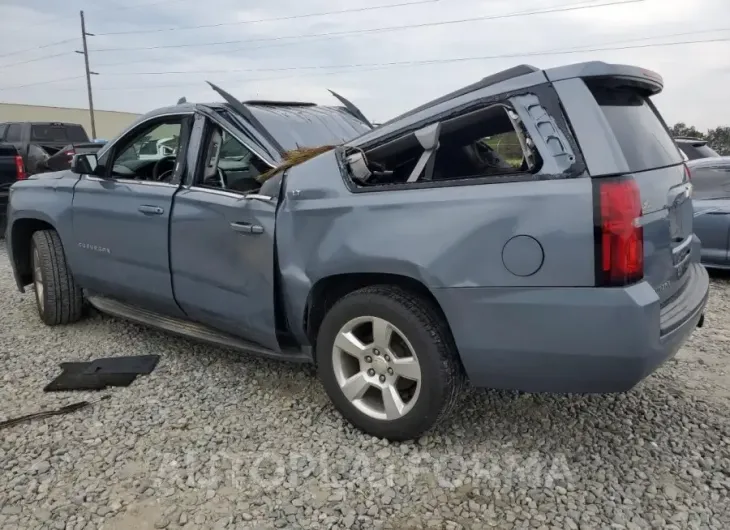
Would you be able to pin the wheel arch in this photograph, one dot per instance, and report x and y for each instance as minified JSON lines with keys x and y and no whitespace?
{"x":328,"y":290}
{"x":21,"y":236}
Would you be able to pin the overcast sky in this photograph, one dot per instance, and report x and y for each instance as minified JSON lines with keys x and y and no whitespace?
{"x":697,"y":76}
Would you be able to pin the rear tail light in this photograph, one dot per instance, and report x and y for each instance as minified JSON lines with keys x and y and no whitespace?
{"x":20,"y":173}
{"x":687,"y":172}
{"x":688,"y":178}
{"x":618,"y":235}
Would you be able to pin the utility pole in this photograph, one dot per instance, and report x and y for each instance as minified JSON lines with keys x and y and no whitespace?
{"x":89,"y":73}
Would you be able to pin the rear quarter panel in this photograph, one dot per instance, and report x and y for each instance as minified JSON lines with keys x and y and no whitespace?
{"x":460,"y":236}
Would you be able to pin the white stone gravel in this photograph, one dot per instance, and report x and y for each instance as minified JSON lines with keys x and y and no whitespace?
{"x":212,"y":439}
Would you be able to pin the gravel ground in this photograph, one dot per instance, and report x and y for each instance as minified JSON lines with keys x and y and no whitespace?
{"x":212,"y":439}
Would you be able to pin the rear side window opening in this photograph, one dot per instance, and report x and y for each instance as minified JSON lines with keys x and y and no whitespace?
{"x":489,"y":142}
{"x":641,"y":133}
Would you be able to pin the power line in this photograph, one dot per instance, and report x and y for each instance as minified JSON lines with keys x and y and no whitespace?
{"x":56,"y":43}
{"x":106,"y":9}
{"x":364,"y":67}
{"x":377,"y":66}
{"x":621,"y":41}
{"x":43,"y":58}
{"x":567,"y":7}
{"x":326,"y":36}
{"x":420,"y":62}
{"x":135,"y":6}
{"x":277,"y":19}
{"x":37,"y":83}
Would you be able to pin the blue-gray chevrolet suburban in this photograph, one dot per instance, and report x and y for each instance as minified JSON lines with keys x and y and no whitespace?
{"x":531,"y":231}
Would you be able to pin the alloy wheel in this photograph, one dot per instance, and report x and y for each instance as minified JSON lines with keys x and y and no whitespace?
{"x":376,"y":368}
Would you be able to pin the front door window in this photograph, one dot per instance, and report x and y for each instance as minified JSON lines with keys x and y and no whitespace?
{"x":151,"y":153}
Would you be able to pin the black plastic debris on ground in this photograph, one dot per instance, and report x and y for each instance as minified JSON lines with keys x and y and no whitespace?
{"x":102,"y":373}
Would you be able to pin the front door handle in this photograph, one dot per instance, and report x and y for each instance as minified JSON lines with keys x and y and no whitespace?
{"x":151,"y":210}
{"x":247,"y":228}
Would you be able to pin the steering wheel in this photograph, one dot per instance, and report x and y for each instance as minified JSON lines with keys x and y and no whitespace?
{"x":156,"y":174}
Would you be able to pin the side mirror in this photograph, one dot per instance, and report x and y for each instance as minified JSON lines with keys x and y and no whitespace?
{"x":84,"y":164}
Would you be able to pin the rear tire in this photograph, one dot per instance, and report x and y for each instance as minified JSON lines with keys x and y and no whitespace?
{"x":58,"y":298}
{"x":398,"y":374}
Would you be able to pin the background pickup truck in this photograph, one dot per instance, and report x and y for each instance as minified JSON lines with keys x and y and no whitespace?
{"x":400,"y":258}
{"x":11,"y":170}
{"x":38,"y":141}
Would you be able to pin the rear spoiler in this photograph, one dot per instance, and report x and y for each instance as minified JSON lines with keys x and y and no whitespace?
{"x":647,"y":79}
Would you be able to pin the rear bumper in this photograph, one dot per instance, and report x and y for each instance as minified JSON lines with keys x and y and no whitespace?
{"x":582,"y":340}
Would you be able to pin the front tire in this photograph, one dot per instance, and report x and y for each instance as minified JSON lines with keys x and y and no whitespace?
{"x":387,"y":361}
{"x":58,"y":298}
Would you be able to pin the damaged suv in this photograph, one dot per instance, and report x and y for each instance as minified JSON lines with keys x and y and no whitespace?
{"x":531,"y":231}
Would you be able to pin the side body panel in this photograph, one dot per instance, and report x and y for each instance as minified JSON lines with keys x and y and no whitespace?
{"x":711,"y":202}
{"x":223,"y":275}
{"x":222,"y":252}
{"x":712,"y":226}
{"x":121,"y":240}
{"x":520,"y":235}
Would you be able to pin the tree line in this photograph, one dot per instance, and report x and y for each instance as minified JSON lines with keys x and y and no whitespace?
{"x":717,"y":138}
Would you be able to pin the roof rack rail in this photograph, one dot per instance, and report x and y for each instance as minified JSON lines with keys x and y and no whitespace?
{"x":690,"y":138}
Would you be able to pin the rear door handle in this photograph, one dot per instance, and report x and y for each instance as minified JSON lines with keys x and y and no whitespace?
{"x":151,"y":210}
{"x":247,"y":228}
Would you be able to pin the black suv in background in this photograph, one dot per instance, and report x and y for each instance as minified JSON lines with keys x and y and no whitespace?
{"x":36,"y":142}
{"x":695,"y":148}
{"x":12,"y":169}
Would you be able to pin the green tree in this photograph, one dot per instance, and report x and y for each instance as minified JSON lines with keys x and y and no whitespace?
{"x":719,"y":139}
{"x":681,"y":129}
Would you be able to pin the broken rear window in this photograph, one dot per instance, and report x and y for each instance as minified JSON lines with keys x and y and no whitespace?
{"x":490,"y":142}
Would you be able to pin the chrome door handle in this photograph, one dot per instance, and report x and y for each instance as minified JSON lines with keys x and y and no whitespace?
{"x":151,"y":210}
{"x":246,"y":228}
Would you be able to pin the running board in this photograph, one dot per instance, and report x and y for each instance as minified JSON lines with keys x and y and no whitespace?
{"x":192,"y":330}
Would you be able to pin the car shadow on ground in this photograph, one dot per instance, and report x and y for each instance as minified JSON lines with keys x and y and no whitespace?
{"x":719,"y":274}
{"x":557,"y":423}
{"x":649,"y":408}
